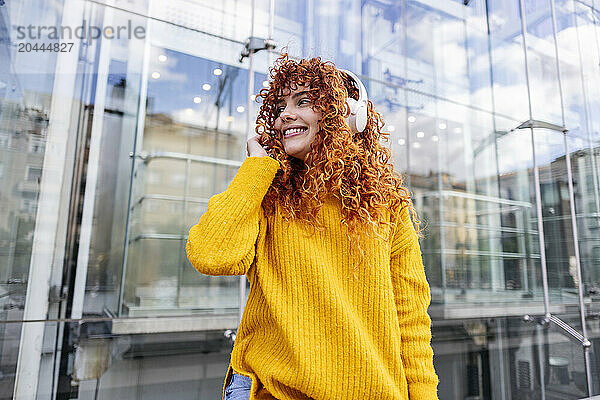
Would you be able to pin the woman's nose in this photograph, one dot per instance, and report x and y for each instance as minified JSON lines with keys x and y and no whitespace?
{"x":286,"y":115}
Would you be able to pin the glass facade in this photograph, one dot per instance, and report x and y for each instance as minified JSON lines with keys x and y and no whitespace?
{"x":120,"y":119}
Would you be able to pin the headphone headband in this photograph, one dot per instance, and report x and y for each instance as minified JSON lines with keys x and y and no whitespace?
{"x":362,"y":91}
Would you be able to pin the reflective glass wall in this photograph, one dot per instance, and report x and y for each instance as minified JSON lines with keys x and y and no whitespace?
{"x":120,"y":119}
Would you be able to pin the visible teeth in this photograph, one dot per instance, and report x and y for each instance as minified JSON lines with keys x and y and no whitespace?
{"x":294,"y":130}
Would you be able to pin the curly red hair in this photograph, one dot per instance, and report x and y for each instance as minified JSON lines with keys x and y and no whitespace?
{"x":354,"y":168}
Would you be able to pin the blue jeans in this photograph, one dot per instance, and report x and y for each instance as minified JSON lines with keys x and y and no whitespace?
{"x":238,"y":387}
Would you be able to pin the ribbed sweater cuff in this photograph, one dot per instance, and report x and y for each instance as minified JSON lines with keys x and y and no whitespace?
{"x":422,"y":391}
{"x":254,"y":177}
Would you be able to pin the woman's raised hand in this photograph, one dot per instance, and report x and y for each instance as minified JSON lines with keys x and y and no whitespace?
{"x":254,"y":148}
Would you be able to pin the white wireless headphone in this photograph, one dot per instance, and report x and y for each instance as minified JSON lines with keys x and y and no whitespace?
{"x":357,"y":119}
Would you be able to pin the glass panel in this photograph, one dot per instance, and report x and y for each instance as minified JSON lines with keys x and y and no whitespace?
{"x":578,"y":62}
{"x":508,"y":63}
{"x":498,"y":358}
{"x":582,"y":136}
{"x":480,"y":214}
{"x":317,"y":28}
{"x":196,"y":108}
{"x":593,"y":330}
{"x":180,"y":365}
{"x":556,"y":215}
{"x":506,"y":358}
{"x":477,"y":47}
{"x":541,"y":62}
{"x":519,"y":214}
{"x":33,"y":166}
{"x":158,"y":370}
{"x":586,"y":145}
{"x":564,"y":364}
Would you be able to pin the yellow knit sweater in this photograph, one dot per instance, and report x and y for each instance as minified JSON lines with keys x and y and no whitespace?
{"x":317,"y":325}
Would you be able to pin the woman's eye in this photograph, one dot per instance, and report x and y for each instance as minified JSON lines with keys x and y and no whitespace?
{"x":279,"y":110}
{"x":303,"y":101}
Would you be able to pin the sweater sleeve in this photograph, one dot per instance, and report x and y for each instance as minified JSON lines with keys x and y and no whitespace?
{"x":412,"y":296}
{"x":223,"y":241}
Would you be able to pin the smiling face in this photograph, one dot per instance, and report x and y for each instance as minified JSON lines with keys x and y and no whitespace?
{"x":297,"y":122}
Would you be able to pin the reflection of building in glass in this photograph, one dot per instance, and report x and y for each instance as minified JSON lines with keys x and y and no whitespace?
{"x":22,"y":147}
{"x":121,"y":143}
{"x":175,"y":187}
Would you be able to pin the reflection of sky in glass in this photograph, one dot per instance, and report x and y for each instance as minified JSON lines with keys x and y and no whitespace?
{"x":292,"y":10}
{"x":196,"y":89}
{"x":573,"y":97}
{"x":549,"y":146}
{"x":446,"y":53}
{"x":174,"y":83}
{"x":33,"y":71}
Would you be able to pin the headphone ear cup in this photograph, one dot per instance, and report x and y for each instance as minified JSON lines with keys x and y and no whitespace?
{"x":358,"y":118}
{"x":351,"y":118}
{"x":361,"y":116}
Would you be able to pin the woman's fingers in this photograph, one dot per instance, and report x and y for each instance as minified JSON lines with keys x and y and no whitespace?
{"x":254,"y":148}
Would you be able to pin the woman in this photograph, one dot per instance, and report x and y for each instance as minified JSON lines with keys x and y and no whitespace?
{"x":318,"y":221}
